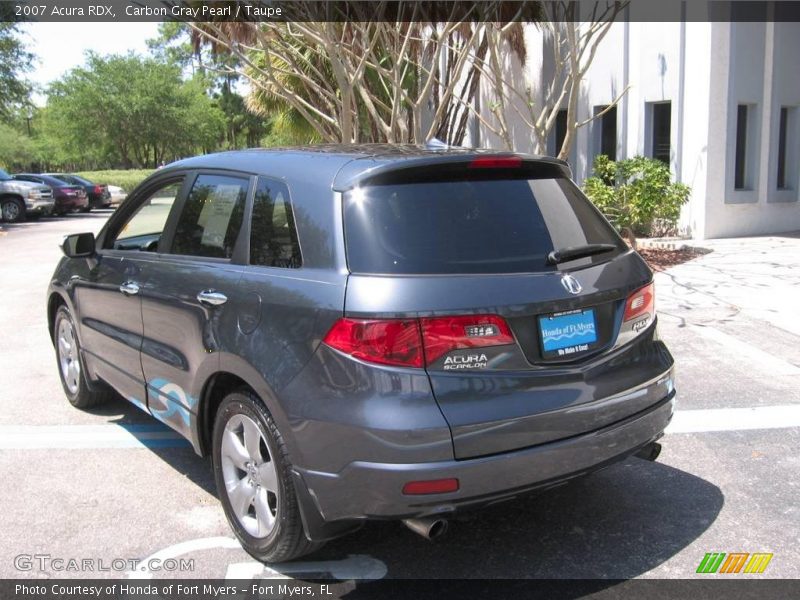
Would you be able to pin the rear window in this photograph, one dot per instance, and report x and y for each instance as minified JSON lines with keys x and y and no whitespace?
{"x":470,"y":226}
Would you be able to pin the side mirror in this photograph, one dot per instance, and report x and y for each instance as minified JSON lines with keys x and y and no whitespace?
{"x":78,"y":245}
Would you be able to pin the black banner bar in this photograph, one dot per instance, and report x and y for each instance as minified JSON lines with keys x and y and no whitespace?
{"x":712,"y":587}
{"x":391,"y":11}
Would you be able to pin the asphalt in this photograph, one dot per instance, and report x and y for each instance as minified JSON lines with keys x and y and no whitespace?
{"x":113,"y":484}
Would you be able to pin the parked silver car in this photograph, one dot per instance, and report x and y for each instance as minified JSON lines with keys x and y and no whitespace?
{"x":19,"y":199}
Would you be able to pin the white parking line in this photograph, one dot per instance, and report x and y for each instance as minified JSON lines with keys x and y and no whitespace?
{"x":756,"y":358}
{"x":735,"y":419}
{"x":77,"y":437}
{"x":355,"y":566}
{"x":24,"y":437}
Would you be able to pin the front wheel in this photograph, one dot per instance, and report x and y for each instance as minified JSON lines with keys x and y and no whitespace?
{"x":13,"y":210}
{"x":253,"y":477}
{"x":70,"y":368}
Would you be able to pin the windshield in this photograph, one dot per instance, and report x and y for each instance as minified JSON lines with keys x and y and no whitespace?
{"x":471,"y":226}
{"x":4,"y":176}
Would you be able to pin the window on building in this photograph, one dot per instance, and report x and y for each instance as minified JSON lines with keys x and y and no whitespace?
{"x":606,"y":128}
{"x":561,"y":130}
{"x":782,"y":124}
{"x":661,"y":133}
{"x":787,"y":148}
{"x":740,"y":165}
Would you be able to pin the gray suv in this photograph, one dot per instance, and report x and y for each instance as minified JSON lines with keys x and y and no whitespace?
{"x":19,"y":199}
{"x":367,"y":332}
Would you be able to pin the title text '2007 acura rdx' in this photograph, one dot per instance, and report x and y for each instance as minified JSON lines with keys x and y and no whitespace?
{"x":367,"y":332}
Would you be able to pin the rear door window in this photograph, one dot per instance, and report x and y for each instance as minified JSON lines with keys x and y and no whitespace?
{"x":470,"y":226}
{"x":273,"y":237}
{"x":211,"y":217}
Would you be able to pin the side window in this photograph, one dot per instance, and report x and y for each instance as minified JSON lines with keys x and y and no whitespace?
{"x":142,"y":231}
{"x":212,"y":216}
{"x":273,"y":236}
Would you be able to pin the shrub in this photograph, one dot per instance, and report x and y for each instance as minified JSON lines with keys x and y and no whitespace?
{"x":126,"y":179}
{"x":637,"y":193}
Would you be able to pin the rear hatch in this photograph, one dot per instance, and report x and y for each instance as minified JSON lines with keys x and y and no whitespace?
{"x":532,"y":317}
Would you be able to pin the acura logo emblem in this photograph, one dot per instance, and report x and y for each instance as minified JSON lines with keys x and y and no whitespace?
{"x":571,"y":284}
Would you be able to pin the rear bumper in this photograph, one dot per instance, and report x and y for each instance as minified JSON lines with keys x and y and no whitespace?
{"x":364,"y":490}
{"x":99,"y":200}
{"x":71,"y":203}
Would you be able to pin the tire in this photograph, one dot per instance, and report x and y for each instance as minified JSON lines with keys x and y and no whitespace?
{"x":253,"y":476}
{"x":12,"y":210}
{"x":70,"y":366}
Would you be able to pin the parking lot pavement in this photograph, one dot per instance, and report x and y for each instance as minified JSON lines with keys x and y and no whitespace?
{"x":759,"y":276}
{"x":113,"y":484}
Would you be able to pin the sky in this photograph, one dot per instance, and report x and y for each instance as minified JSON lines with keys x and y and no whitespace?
{"x":61,"y":47}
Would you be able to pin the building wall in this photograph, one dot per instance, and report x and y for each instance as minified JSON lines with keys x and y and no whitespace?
{"x":705,"y":70}
{"x":756,"y":69}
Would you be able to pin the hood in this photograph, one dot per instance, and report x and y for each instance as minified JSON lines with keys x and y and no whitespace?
{"x":21,"y":186}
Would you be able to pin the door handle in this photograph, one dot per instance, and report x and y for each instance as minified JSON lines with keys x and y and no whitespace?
{"x":129,"y":288}
{"x":211,"y":298}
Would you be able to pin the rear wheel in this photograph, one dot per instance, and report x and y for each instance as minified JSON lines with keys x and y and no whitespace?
{"x":253,"y":476}
{"x":12,"y":210}
{"x":70,"y":368}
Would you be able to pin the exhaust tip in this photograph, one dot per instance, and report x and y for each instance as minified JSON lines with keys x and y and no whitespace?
{"x":649,"y":452}
{"x":428,"y":527}
{"x":437,"y":528}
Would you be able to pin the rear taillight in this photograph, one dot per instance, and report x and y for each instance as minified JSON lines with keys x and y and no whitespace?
{"x":445,"y":334}
{"x":98,"y":189}
{"x":416,"y":342}
{"x":387,"y":342}
{"x":640,"y":312}
{"x":640,"y":303}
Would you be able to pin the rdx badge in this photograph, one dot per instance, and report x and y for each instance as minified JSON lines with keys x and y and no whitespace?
{"x":466,"y":361}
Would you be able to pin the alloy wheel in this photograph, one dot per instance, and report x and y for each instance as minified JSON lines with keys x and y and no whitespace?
{"x":68,"y":356}
{"x":251,"y":480}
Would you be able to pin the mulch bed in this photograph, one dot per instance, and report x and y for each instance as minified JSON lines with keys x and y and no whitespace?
{"x":659,"y":259}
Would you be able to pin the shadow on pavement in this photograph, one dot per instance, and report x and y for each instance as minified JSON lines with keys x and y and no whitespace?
{"x":618,"y":523}
{"x":178,"y":452}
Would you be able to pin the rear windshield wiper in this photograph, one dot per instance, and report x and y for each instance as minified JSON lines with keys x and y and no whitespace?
{"x":573,"y":252}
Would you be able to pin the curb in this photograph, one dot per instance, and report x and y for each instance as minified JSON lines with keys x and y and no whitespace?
{"x":670,"y":244}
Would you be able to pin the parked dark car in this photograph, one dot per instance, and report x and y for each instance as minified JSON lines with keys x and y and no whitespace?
{"x":21,"y":199}
{"x":367,"y":332}
{"x":99,"y":196}
{"x":68,"y":198}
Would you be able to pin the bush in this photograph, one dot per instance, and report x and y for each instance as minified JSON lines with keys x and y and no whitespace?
{"x":127,"y":180}
{"x":637,"y":193}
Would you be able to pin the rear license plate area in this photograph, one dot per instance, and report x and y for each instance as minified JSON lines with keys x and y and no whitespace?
{"x":568,"y":334}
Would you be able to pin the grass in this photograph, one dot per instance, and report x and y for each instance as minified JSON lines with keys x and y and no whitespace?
{"x":127,"y":180}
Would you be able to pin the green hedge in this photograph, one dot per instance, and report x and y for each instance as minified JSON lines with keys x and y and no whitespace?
{"x":637,"y":193}
{"x":127,"y":180}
